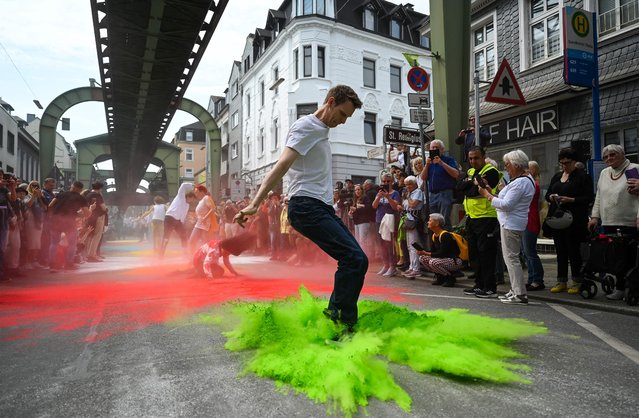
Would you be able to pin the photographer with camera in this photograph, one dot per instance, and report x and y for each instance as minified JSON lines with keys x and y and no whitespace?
{"x":466,"y":138}
{"x":441,"y":172}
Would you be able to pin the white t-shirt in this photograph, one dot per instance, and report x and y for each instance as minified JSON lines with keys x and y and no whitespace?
{"x":310,"y":175}
{"x":159,"y":211}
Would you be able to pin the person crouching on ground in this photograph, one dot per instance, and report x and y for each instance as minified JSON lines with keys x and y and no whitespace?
{"x":444,"y":259}
{"x":206,"y":259}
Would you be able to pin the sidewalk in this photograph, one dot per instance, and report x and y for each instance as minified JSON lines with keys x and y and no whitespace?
{"x":598,"y":302}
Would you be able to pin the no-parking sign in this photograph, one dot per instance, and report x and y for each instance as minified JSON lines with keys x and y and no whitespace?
{"x":418,"y":79}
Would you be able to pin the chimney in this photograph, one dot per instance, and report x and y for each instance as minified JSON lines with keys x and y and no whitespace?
{"x":31,"y":117}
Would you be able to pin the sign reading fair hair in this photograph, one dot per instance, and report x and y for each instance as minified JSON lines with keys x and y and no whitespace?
{"x":527,"y":125}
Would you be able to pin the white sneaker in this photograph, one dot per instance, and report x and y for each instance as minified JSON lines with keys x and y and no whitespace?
{"x":391,"y":272}
{"x":507,"y":295}
{"x":616,"y":295}
{"x":383,"y":270}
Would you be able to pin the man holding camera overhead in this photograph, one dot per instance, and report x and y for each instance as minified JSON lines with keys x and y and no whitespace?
{"x":442,"y":172}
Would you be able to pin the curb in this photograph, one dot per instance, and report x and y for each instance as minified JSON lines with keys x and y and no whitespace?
{"x":624,"y":309}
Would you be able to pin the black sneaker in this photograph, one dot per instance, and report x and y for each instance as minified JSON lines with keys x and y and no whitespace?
{"x":439,"y":280}
{"x":471,"y":292}
{"x":449,"y":281}
{"x":332,"y":314}
{"x":486,"y":294}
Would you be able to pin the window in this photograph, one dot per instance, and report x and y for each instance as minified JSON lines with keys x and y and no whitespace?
{"x":234,"y":150}
{"x":1,"y":137}
{"x":544,"y":30}
{"x":248,"y":150}
{"x":188,"y":172}
{"x":188,"y":154}
{"x":396,"y":29}
{"x":627,"y":138}
{"x":425,"y":41}
{"x":262,"y":93}
{"x":306,"y":109}
{"x":234,"y":89}
{"x":307,"y":61}
{"x":369,"y":73}
{"x":11,"y":143}
{"x":307,"y":7}
{"x":235,"y":120}
{"x":320,"y":61}
{"x":247,"y":63}
{"x":370,"y":128}
{"x":261,"y":142}
{"x":395,"y":79}
{"x":397,"y":122}
{"x":320,"y":7}
{"x":296,"y":66}
{"x":369,"y":18}
{"x":484,"y":58}
{"x":276,"y":134}
{"x":248,"y":105}
{"x":276,"y":76}
{"x":615,"y":15}
{"x":189,"y":136}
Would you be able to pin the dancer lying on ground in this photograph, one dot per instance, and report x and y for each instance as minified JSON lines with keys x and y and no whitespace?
{"x":206,"y":259}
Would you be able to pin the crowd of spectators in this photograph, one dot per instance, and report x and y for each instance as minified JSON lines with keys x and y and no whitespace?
{"x":44,"y":229}
{"x":400,"y":223}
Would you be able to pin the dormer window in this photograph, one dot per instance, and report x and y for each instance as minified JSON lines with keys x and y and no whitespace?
{"x":370,"y":18}
{"x":396,"y":29}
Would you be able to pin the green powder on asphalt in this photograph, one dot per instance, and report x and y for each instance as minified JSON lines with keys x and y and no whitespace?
{"x":295,"y":345}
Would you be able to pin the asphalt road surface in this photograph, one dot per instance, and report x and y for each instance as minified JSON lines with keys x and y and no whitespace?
{"x":114,"y":339}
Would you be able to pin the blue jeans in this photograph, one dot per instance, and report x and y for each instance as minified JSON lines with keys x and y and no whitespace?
{"x":529,"y":247}
{"x":317,"y":221}
{"x":442,"y":203}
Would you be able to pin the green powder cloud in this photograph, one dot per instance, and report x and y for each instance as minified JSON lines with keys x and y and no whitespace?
{"x":294,"y":344}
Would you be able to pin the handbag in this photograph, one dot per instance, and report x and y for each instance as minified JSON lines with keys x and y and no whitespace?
{"x":561,"y":219}
{"x":410,"y":224}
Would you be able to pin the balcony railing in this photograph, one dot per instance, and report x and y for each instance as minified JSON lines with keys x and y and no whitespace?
{"x":619,"y":18}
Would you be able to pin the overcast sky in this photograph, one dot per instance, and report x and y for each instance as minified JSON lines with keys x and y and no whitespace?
{"x":53,"y":47}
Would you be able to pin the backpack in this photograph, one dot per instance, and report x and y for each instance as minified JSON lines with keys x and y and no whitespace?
{"x":461,"y":243}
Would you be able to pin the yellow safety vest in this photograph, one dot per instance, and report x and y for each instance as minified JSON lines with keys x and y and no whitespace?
{"x":480,"y":207}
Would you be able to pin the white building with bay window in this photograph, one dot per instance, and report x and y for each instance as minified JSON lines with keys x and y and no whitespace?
{"x":305,"y":49}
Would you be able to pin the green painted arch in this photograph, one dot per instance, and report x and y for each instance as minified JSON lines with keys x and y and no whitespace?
{"x":214,"y":141}
{"x":51,"y":117}
{"x":70,"y":98}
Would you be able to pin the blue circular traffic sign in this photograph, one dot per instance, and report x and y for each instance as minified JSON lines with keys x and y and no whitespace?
{"x":418,"y":79}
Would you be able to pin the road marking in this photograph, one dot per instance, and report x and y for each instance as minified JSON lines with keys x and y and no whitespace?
{"x":468,"y":297}
{"x":618,"y":345}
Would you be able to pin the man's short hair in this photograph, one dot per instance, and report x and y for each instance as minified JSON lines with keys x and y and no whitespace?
{"x":97,"y":185}
{"x":78,"y":185}
{"x":342,"y":93}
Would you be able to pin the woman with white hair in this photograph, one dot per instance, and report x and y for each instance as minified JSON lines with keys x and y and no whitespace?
{"x":444,"y":259}
{"x":512,"y":204}
{"x":617,"y":209}
{"x":413,"y":204}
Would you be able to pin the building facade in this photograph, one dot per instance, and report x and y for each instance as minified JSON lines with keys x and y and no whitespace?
{"x":191,"y":140}
{"x":529,"y":34}
{"x":306,"y":48}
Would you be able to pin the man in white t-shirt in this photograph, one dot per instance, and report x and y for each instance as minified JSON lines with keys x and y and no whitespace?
{"x":307,"y":159}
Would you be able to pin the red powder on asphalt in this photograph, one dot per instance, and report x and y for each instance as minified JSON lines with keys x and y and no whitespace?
{"x":108,"y":303}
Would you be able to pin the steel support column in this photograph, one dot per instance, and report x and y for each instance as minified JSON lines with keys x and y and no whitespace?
{"x":450,"y":39}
